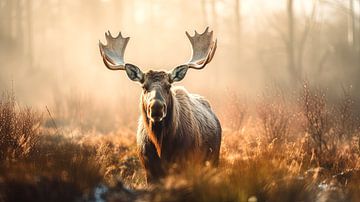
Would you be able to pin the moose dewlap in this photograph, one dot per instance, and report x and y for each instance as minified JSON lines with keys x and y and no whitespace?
{"x":175,"y":127}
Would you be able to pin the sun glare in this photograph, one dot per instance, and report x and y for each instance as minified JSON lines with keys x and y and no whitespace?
{"x":140,"y":13}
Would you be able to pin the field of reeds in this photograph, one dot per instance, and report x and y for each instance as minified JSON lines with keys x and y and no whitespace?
{"x":278,"y":147}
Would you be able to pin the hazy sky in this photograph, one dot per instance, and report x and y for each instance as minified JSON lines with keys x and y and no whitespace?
{"x":250,"y":53}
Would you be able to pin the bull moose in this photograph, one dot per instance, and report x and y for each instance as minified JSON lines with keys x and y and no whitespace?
{"x":175,"y":127}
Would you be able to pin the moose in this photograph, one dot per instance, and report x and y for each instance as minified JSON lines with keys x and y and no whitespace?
{"x":175,"y":127}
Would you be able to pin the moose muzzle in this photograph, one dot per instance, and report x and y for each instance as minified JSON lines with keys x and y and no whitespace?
{"x":156,"y":110}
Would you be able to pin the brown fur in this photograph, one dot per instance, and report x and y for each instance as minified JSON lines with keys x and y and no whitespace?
{"x":190,"y":131}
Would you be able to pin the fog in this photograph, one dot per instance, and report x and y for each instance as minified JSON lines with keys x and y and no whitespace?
{"x":49,"y":48}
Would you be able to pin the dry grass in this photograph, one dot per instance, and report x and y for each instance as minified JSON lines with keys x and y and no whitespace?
{"x":235,"y":111}
{"x":286,"y":151}
{"x":19,"y":128}
{"x":274,"y":116}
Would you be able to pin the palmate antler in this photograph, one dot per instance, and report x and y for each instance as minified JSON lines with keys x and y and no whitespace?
{"x":203,"y":49}
{"x":113,"y":52}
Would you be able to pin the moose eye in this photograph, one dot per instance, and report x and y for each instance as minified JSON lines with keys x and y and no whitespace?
{"x":167,"y":87}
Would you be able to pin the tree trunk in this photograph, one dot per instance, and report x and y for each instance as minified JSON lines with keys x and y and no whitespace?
{"x":238,"y":21}
{"x":351,"y":25}
{"x":10,"y":23}
{"x":19,"y":33}
{"x":29,"y":33}
{"x":5,"y":15}
{"x":302,"y":39}
{"x":2,"y":16}
{"x":358,"y":32}
{"x":291,"y":43}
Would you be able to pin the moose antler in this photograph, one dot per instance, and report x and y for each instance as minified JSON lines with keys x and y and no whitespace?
{"x":113,"y":52}
{"x":203,"y":49}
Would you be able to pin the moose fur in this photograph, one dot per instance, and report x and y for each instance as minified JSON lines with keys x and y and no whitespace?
{"x":190,"y":132}
{"x":175,"y":127}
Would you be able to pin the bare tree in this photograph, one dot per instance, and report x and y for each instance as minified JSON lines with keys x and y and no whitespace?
{"x":359,"y":33}
{"x":29,"y":32}
{"x":351,"y":25}
{"x":296,"y":44}
{"x":237,"y":20}
{"x":310,"y":22}
{"x":19,"y":33}
{"x":291,"y":41}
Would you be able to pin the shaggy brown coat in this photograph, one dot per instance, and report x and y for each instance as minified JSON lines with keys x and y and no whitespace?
{"x":190,"y":132}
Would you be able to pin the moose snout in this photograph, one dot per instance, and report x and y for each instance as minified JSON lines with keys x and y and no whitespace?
{"x":156,"y":110}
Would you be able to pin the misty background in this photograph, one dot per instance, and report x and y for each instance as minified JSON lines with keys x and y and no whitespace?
{"x":49,"y":53}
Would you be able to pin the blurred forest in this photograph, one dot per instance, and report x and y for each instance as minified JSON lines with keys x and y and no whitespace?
{"x":49,"y":53}
{"x":284,"y":82}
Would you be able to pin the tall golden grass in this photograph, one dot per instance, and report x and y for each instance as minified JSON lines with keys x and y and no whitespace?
{"x":298,"y":147}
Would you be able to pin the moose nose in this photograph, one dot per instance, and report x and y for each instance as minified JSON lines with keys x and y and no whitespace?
{"x":157,"y":110}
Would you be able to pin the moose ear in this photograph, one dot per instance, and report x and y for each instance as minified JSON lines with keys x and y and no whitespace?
{"x":134,"y":73}
{"x":178,"y":73}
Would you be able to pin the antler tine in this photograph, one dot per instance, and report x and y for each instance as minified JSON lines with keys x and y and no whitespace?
{"x":203,"y":49}
{"x":113,"y":52}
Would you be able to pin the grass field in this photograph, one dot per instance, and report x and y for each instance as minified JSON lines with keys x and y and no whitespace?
{"x":302,"y":148}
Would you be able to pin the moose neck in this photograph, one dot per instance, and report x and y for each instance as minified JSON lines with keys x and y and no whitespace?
{"x":157,"y":130}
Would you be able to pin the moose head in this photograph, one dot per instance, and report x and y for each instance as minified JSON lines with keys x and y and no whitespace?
{"x":157,"y":84}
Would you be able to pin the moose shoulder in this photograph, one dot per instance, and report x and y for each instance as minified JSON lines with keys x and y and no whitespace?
{"x":175,"y":127}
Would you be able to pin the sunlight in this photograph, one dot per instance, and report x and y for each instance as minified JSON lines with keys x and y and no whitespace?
{"x":251,"y":7}
{"x":271,"y":95}
{"x":140,"y":14}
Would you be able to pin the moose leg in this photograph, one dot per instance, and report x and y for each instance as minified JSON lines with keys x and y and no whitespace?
{"x":212,"y":149}
{"x":151,"y":162}
{"x":216,"y":144}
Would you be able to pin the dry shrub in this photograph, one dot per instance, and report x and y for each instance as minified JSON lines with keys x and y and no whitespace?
{"x":38,"y":164}
{"x":274,"y":116}
{"x":117,"y":154}
{"x":19,"y":129}
{"x":235,"y":111}
{"x":346,"y":120}
{"x":59,"y":171}
{"x":318,"y":122}
{"x":330,"y":129}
